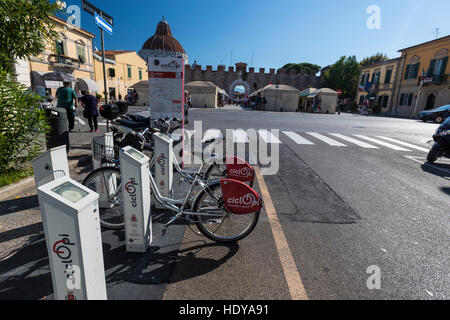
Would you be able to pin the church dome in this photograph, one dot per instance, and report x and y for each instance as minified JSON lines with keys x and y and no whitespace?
{"x":163,"y":40}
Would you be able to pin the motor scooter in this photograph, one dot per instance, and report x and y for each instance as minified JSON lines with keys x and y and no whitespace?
{"x":441,"y":147}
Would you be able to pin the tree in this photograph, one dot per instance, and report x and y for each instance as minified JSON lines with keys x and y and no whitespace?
{"x":379,"y":57}
{"x":344,"y":76}
{"x":25,"y":25}
{"x":308,"y":68}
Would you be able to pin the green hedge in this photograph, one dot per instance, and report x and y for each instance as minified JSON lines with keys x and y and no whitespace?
{"x":22,"y":122}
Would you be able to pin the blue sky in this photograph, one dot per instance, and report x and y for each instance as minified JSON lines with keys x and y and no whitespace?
{"x":277,"y":31}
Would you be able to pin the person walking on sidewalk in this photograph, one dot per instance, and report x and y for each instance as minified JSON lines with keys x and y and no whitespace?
{"x":90,"y":104}
{"x":66,"y":97}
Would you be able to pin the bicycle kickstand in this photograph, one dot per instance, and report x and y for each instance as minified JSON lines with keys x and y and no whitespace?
{"x":175,"y":218}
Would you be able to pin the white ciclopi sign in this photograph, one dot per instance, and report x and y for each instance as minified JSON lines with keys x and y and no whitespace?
{"x":71,"y":222}
{"x":166,"y":85}
{"x":134,"y":168}
{"x":163,"y":165}
{"x":51,"y":165}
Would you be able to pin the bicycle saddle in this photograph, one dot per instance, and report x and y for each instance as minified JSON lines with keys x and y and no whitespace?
{"x":138,"y":118}
{"x":132,"y":124}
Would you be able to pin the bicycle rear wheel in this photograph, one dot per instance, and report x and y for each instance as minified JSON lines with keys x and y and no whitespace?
{"x":228,"y":228}
{"x":106,"y":182}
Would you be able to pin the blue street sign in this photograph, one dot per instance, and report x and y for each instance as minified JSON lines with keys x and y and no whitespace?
{"x":103,"y":24}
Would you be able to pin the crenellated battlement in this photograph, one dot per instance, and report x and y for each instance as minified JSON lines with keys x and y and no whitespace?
{"x":225,"y":77}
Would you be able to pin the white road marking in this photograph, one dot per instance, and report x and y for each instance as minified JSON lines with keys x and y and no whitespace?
{"x":354,"y":141}
{"x":388,"y":145}
{"x":102,"y":124}
{"x":212,"y":133}
{"x":268,"y":137}
{"x":404,"y":144}
{"x":297,"y":138}
{"x":81,"y":121}
{"x":240,"y":136}
{"x":327,"y":140}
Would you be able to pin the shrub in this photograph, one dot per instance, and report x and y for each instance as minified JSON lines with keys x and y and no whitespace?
{"x":22,"y":122}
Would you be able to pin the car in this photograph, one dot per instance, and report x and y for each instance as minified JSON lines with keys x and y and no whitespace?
{"x":437,"y":115}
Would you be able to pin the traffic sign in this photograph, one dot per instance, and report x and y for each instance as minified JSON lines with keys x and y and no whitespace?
{"x":103,"y":24}
{"x":91,"y":9}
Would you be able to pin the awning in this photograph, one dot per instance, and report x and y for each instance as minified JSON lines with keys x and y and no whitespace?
{"x":59,"y":76}
{"x":37,"y":80}
{"x":85,"y":84}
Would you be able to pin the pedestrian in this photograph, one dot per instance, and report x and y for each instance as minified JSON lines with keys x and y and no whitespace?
{"x":120,"y":97}
{"x":66,"y":97}
{"x":90,"y":104}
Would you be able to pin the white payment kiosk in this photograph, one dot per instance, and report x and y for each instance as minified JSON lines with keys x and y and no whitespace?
{"x":163,"y":165}
{"x":51,"y":165}
{"x":134,"y":168}
{"x":72,"y":232}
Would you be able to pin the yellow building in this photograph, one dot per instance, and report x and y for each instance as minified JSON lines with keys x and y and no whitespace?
{"x":71,"y":54}
{"x":123,"y":70}
{"x":424,"y":81}
{"x":377,"y":84}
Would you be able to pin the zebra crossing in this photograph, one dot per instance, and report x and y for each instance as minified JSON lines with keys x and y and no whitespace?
{"x":335,"y":140}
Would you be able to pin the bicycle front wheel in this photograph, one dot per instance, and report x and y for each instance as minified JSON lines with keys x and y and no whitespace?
{"x":106,"y":182}
{"x":227,"y":228}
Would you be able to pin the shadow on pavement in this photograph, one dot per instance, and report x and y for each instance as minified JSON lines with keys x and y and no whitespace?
{"x":446,"y":190}
{"x":17,"y":205}
{"x":26,"y":275}
{"x":438,"y":169}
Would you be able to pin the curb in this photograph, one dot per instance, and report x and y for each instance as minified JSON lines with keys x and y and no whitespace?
{"x":7,"y":192}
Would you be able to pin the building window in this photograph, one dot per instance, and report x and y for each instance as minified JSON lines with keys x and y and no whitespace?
{"x":81,"y":53}
{"x":437,"y":67}
{"x":388,"y":77}
{"x":412,"y":71}
{"x":406,"y":99}
{"x":60,"y":51}
{"x":376,"y":77}
{"x":385,"y":101}
{"x":129,"y":71}
{"x":111,"y":72}
{"x":140,"y":74}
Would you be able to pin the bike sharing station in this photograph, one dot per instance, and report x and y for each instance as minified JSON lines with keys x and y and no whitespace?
{"x":163,"y":166}
{"x":71,"y":222}
{"x":136,"y":201}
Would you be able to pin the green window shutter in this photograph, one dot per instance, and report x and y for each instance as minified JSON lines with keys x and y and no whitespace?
{"x":431,"y":69}
{"x":444,"y":66}
{"x":416,"y":70}
{"x":408,"y":67}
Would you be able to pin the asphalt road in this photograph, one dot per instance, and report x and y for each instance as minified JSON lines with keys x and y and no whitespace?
{"x":351,"y":192}
{"x":346,"y":208}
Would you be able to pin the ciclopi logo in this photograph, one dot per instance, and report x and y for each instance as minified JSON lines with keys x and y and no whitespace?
{"x":162,"y":163}
{"x":249,"y":200}
{"x":173,"y":65}
{"x":130,"y":187}
{"x":243,"y":172}
{"x":72,"y":272}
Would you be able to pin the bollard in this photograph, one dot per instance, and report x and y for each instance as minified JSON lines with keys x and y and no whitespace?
{"x":50,"y":165}
{"x":163,"y":165}
{"x":72,"y":233}
{"x":134,"y":168}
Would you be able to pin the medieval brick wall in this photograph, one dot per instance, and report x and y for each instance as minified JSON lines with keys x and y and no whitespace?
{"x":256,"y":79}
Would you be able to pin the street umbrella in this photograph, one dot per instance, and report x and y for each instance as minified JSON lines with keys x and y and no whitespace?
{"x":59,"y":76}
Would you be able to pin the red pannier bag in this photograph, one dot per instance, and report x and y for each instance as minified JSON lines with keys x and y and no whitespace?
{"x":239,"y":198}
{"x":238,"y":169}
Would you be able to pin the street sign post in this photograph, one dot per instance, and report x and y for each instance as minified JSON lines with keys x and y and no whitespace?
{"x":105,"y":22}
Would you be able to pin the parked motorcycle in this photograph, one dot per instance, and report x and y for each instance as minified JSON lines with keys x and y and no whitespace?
{"x":441,"y":148}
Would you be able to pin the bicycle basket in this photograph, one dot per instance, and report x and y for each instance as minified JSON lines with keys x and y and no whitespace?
{"x":102,"y":152}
